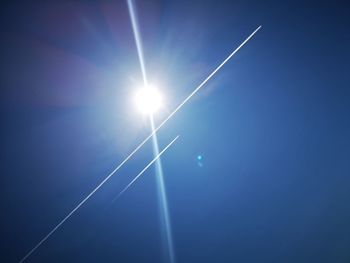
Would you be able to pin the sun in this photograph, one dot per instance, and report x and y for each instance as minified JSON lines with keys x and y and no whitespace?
{"x":148,"y":100}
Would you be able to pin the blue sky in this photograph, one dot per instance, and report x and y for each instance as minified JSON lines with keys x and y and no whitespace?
{"x":272,"y":129}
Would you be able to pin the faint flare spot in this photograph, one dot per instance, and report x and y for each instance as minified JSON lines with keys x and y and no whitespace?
{"x":200,"y":160}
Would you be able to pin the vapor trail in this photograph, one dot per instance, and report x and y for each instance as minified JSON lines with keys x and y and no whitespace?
{"x":86,"y":198}
{"x":197,"y":89}
{"x":148,"y":165}
{"x":78,"y":206}
{"x":139,"y":146}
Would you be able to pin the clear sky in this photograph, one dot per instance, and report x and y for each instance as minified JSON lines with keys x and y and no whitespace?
{"x":260,"y":172}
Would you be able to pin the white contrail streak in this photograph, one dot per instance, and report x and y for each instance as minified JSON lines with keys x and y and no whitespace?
{"x":203,"y":83}
{"x":139,"y":146}
{"x":144,"y":169}
{"x":198,"y":88}
{"x":86,"y":198}
{"x":78,"y":206}
{"x":137,"y":37}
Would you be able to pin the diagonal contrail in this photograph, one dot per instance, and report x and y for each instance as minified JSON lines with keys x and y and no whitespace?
{"x":86,"y":198}
{"x":144,"y":169}
{"x":202,"y":84}
{"x":140,"y":145}
{"x":78,"y":206}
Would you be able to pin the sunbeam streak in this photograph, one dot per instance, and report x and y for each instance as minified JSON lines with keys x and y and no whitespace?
{"x":162,"y":198}
{"x":163,"y":201}
{"x":140,"y":145}
{"x":137,"y":37}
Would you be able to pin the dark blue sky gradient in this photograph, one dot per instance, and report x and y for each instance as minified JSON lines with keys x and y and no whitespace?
{"x":272,"y":127}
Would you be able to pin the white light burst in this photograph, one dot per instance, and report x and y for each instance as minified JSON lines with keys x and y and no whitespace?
{"x":148,"y":100}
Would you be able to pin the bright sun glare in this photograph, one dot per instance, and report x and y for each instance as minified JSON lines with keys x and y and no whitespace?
{"x":148,"y":100}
